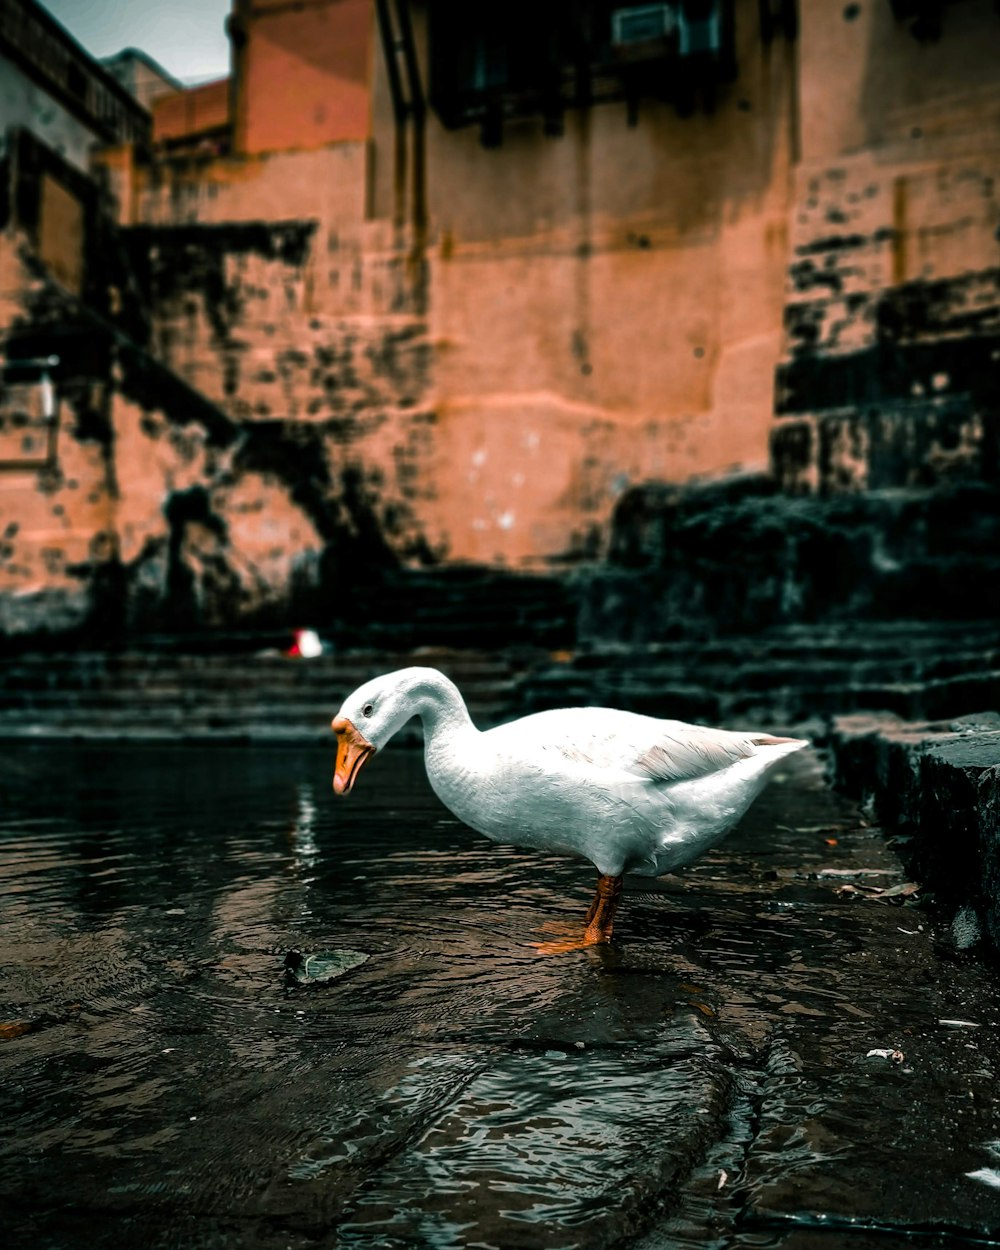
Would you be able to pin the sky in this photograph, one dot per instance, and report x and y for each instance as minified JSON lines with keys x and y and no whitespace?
{"x":187,"y":37}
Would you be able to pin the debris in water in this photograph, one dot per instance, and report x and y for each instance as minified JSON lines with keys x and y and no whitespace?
{"x":810,"y":828}
{"x":855,"y":872}
{"x":904,"y":890}
{"x":723,"y":1177}
{"x":17,"y":1028}
{"x":328,"y":966}
{"x":960,"y":1024}
{"x":894,"y":1056}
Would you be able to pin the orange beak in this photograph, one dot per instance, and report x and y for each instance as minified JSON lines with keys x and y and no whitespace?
{"x":353,"y":751}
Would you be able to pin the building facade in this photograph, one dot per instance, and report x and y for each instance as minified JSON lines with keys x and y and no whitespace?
{"x":431,"y":284}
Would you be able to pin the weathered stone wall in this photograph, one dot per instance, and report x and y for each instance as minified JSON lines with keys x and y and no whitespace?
{"x":892,"y":317}
{"x":245,"y":431}
{"x":305,"y":335}
{"x":57,"y":486}
{"x":741,"y":557}
{"x":891,"y":383}
{"x":170,"y":501}
{"x":938,"y":784}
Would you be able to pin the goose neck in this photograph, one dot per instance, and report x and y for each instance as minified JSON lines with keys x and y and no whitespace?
{"x":441,"y":708}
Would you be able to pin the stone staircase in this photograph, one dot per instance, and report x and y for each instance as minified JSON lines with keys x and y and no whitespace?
{"x":225,"y":697}
{"x":795,"y":675}
{"x":791,"y":675}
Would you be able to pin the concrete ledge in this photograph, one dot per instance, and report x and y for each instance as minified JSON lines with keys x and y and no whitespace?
{"x":938,"y":784}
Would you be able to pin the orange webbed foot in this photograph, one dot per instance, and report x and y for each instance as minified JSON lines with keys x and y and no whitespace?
{"x":577,"y":940}
{"x":597,"y":926}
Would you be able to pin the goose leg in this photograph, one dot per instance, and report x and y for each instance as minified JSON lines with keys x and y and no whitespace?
{"x":598,"y":923}
{"x":601,"y":916}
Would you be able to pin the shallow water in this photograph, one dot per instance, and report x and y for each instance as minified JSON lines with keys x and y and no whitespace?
{"x":166,"y":1084}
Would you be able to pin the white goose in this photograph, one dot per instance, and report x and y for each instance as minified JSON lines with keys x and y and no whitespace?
{"x":630,"y":793}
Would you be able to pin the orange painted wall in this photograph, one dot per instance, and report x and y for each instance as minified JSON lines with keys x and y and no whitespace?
{"x":605,"y":305}
{"x":184,"y":113}
{"x":304,"y":74}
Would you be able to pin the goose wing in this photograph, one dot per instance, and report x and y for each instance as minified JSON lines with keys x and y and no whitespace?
{"x":684,"y":752}
{"x":643,"y":746}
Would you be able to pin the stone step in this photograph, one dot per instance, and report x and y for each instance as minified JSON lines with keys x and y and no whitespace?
{"x":535,"y":687}
{"x":243,"y":686}
{"x":938,"y":782}
{"x":860,"y":639}
{"x":758,"y":665}
{"x":763,"y":672}
{"x":233,"y":675}
{"x":788,"y":676}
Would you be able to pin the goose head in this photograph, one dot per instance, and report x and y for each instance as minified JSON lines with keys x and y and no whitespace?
{"x":370,"y":716}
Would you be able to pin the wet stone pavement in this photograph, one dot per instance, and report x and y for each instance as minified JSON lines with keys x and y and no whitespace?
{"x":705,"y":1081}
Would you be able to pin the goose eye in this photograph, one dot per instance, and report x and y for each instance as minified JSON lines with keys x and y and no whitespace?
{"x":367,"y":710}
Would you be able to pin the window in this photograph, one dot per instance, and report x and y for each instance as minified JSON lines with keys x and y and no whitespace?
{"x":493,"y":61}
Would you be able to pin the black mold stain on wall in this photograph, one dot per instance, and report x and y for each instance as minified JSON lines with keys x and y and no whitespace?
{"x":342,"y":504}
{"x":159,"y":249}
{"x":365,"y":529}
{"x":915,"y":403}
{"x":154,"y":387}
{"x":181,"y":607}
{"x":168,"y":262}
